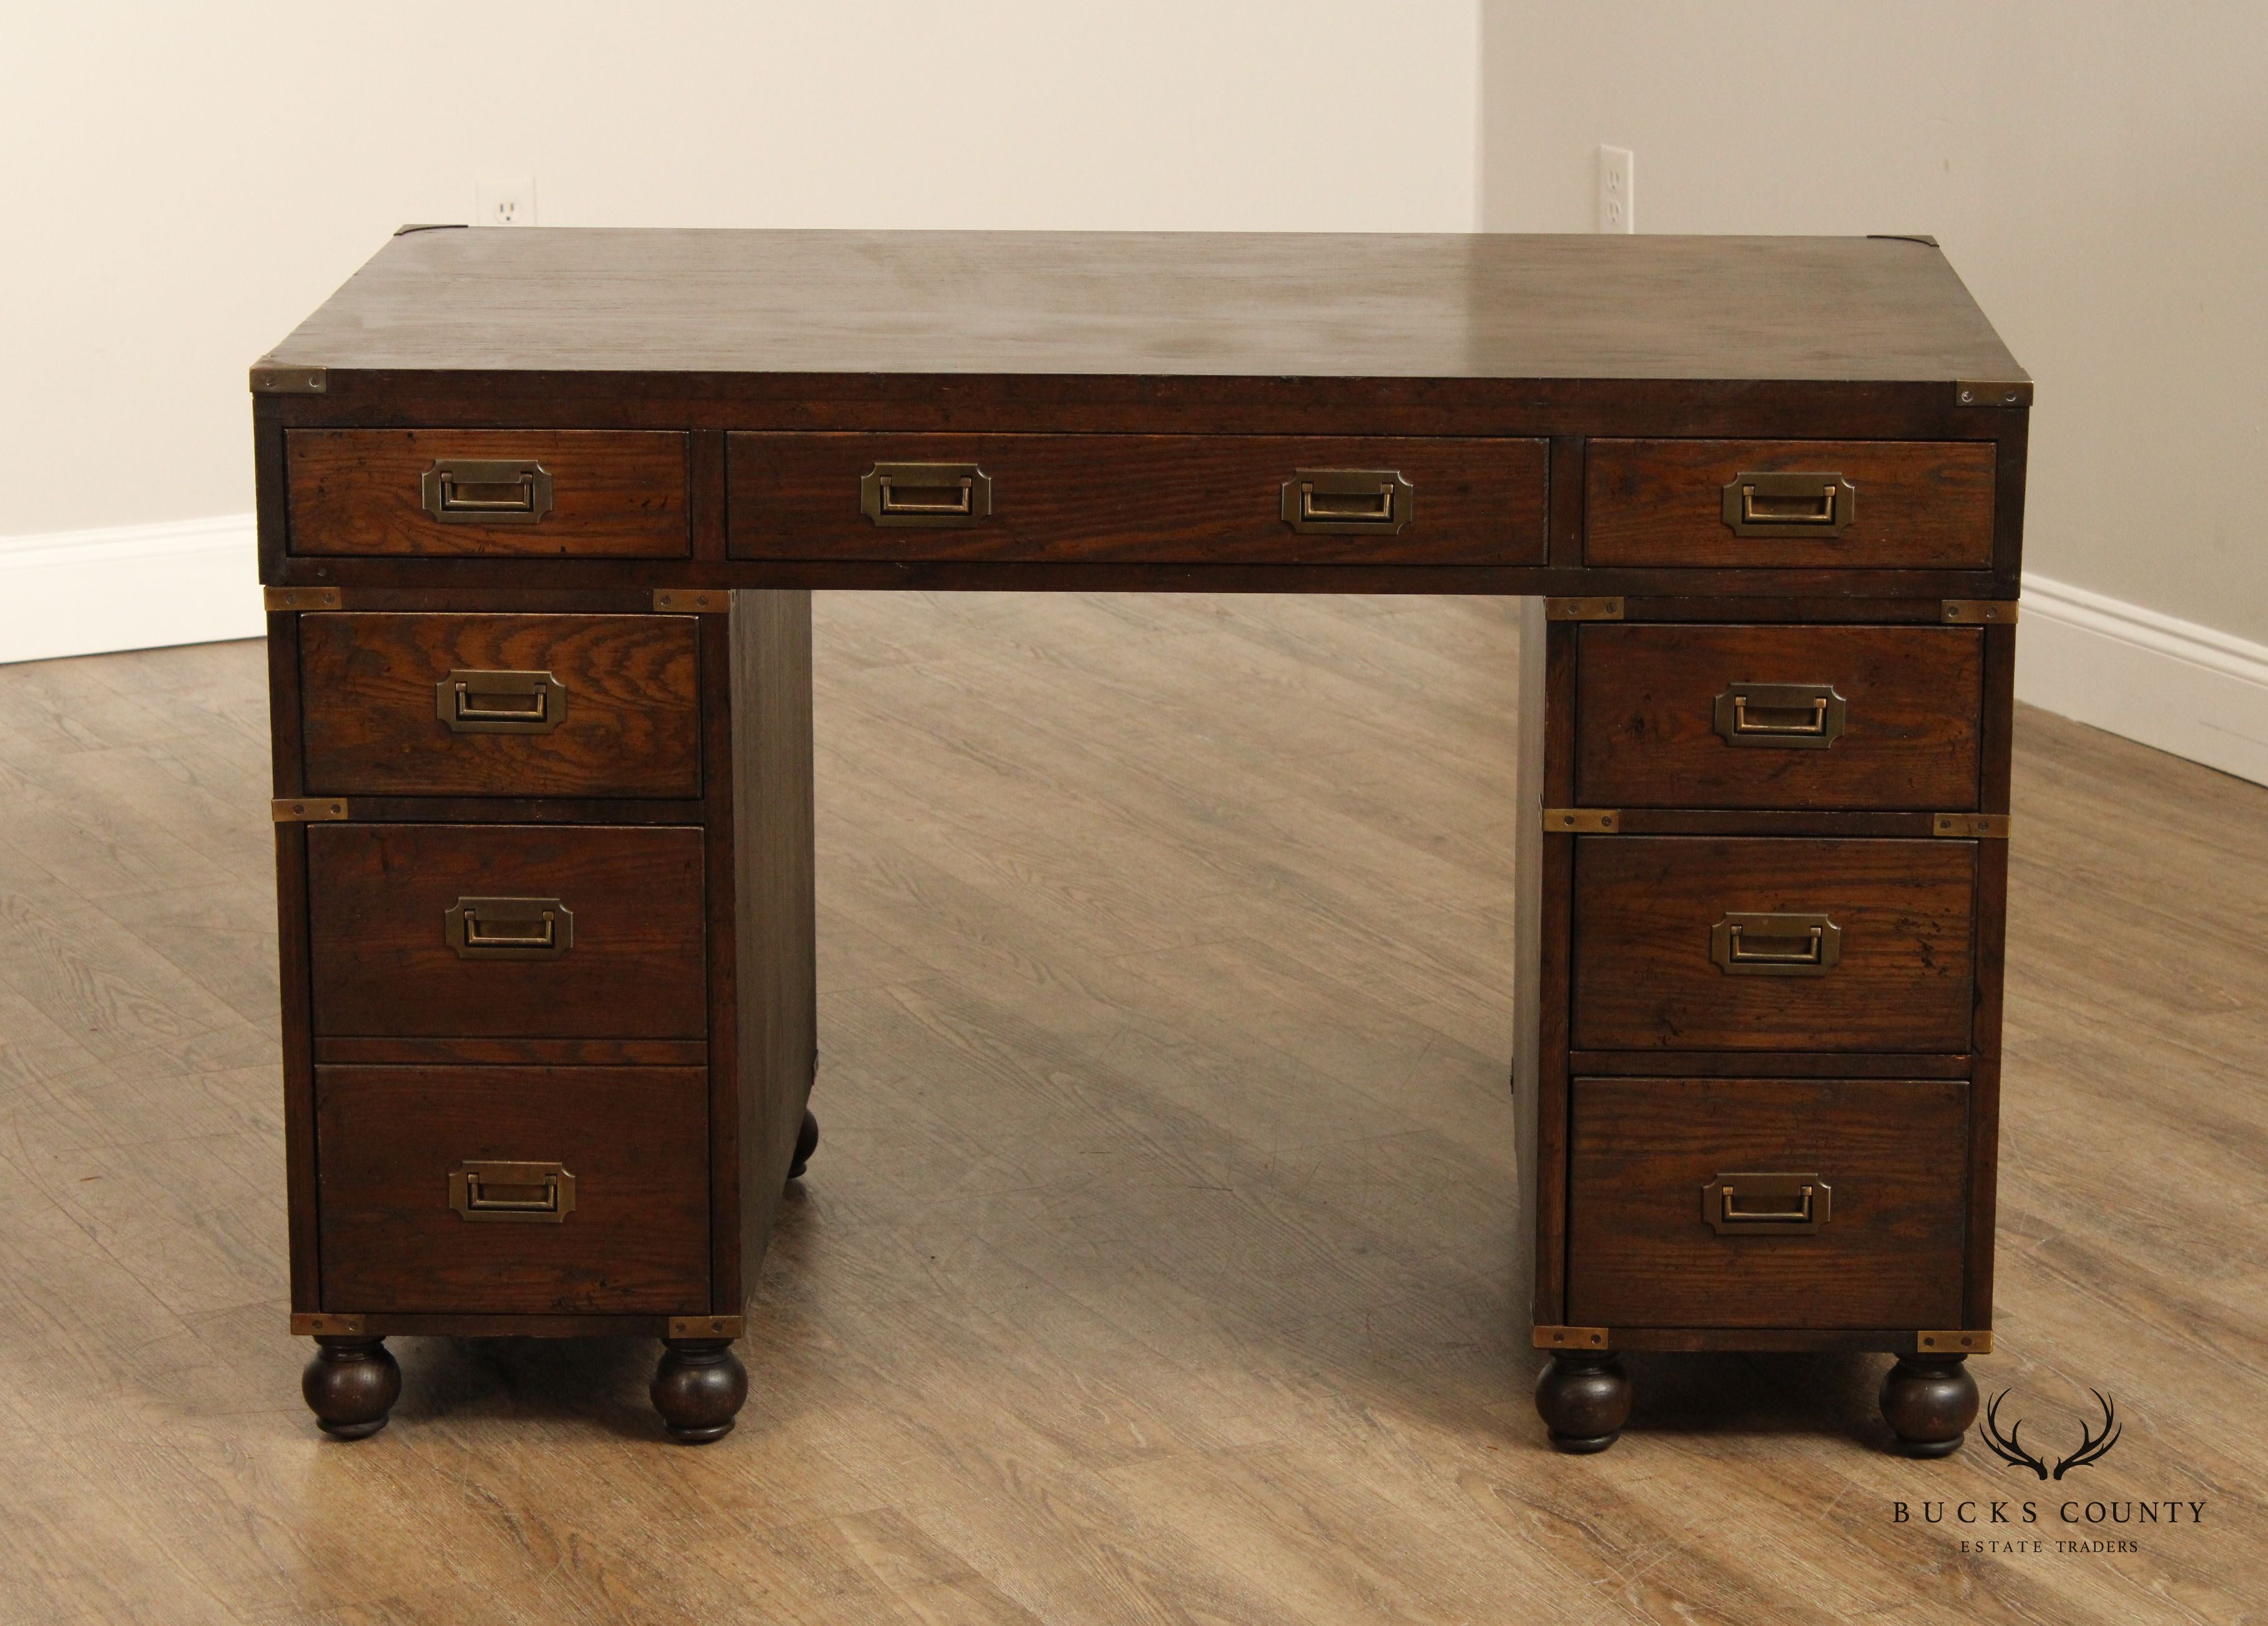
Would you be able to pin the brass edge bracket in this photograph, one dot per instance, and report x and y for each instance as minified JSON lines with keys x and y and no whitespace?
{"x":1991,"y":393}
{"x":305,"y":1326}
{"x":1986,"y":826}
{"x":1574,"y":1337}
{"x":1980,"y":612}
{"x":1583,"y":609}
{"x":704,"y":1326}
{"x":281,"y":599}
{"x":307,"y":809}
{"x":268,"y":378}
{"x":693,"y":601}
{"x":1582,"y":820}
{"x":1958,"y":1342}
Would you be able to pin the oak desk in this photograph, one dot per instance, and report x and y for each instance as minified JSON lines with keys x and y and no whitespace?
{"x":539,"y":516}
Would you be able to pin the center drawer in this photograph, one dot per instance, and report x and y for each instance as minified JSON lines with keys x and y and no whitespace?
{"x":503,"y":1189}
{"x":1757,"y":943}
{"x":1176,"y":499}
{"x":487,"y":931}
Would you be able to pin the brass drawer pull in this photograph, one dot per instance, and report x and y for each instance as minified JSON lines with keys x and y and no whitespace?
{"x":540,"y":1194}
{"x":1776,"y":945}
{"x":925,"y":493}
{"x":1777,"y":1204}
{"x":510,"y":928}
{"x":1789,"y":504}
{"x":1347,"y":502}
{"x":500,"y":702}
{"x":1803,"y":716}
{"x":459,"y":490}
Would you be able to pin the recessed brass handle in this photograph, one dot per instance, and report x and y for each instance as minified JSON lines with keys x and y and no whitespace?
{"x":1776,"y":945}
{"x":1757,"y":1203}
{"x":1348,"y":502}
{"x":500,"y":702}
{"x":539,"y":1194}
{"x":1789,"y":504}
{"x":509,"y":927}
{"x":925,"y":493}
{"x":486,"y":491}
{"x":1786,"y":716}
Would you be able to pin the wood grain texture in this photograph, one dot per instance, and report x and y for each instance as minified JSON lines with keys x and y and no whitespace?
{"x":382,"y":967}
{"x":636,"y":1139}
{"x":1917,"y":505}
{"x":615,"y":493}
{"x":1645,"y":906}
{"x":1122,"y":1029}
{"x":1892,"y":1254}
{"x":1646,"y":735}
{"x":1164,"y":498}
{"x":631,"y":725}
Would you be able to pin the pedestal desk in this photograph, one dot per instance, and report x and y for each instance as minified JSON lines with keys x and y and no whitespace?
{"x":540,"y":512}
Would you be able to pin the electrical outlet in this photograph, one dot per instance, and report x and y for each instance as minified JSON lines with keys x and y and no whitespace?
{"x":1617,"y":199}
{"x":505,"y":203}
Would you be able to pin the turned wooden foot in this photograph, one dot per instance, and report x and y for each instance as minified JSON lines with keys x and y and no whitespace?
{"x":1584,"y":1400}
{"x":1929,"y":1402}
{"x":806,"y":1142}
{"x":351,"y":1385}
{"x":698,"y":1388}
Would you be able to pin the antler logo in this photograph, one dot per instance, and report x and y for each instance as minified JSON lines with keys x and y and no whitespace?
{"x":2092,"y":1446}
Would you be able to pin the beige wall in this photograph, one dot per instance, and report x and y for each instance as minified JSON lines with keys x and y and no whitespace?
{"x":2097,"y":170}
{"x":183,"y":182}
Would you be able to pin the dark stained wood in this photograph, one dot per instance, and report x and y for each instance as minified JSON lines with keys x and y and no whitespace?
{"x":1984,"y":1192}
{"x":295,"y":997}
{"x":1584,"y":1400}
{"x":1647,"y":733}
{"x":1769,"y":1064}
{"x":351,"y":1385}
{"x":634,"y":1139}
{"x":1891,"y":1254}
{"x":1660,"y":502}
{"x":1178,"y":499}
{"x":1107,"y":306}
{"x":515,"y":1052}
{"x":698,"y":1388}
{"x":1929,"y":1400}
{"x":1645,"y":907}
{"x":382,"y":967}
{"x":720,"y":847}
{"x":777,"y":912}
{"x":630,"y":725}
{"x":614,"y":493}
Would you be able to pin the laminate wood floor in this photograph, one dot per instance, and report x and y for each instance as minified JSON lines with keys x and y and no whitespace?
{"x":1155,"y":1265}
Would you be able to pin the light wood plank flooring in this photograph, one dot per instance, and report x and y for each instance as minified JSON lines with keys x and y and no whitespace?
{"x":1155,"y":1265}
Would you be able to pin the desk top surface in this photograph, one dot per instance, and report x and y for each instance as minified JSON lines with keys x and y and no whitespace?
{"x":1156,"y":304}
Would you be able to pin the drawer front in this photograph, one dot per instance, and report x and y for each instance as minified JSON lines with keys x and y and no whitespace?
{"x":543,"y":493}
{"x":436,"y":931}
{"x":1779,"y":716}
{"x":1675,"y":1218}
{"x":513,"y":1189}
{"x":1181,"y":499}
{"x":501,"y":705}
{"x":1752,"y":942}
{"x":1874,"y":504}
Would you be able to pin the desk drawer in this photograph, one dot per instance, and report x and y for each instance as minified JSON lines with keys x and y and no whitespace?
{"x":1828,"y":505}
{"x":1655,"y":1239}
{"x":543,"y":493}
{"x":501,"y":705}
{"x":513,"y":1189}
{"x":1779,"y":716}
{"x":1186,"y":499}
{"x":1756,"y":943}
{"x":435,"y":931}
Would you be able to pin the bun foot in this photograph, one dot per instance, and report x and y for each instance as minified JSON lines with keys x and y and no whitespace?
{"x":806,"y":1142}
{"x":698,"y":1388}
{"x":1584,"y":1400}
{"x":1929,"y":1400}
{"x":351,"y":1385}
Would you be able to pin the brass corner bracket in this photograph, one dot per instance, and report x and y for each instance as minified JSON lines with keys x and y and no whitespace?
{"x":1974,"y":825}
{"x":692,"y":601}
{"x":704,"y":1326}
{"x":268,"y":378}
{"x":1993,"y":393}
{"x":1574,"y":1337}
{"x":1583,"y":609}
{"x":1582,"y":820}
{"x":280,"y":599}
{"x":324,"y":1325}
{"x":1980,"y":612}
{"x":307,"y":809}
{"x":1959,"y":1341}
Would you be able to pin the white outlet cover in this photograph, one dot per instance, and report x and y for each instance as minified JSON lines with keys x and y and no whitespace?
{"x":505,"y":203}
{"x":1617,"y":189}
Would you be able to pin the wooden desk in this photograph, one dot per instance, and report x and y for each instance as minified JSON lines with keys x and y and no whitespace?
{"x":540,"y":512}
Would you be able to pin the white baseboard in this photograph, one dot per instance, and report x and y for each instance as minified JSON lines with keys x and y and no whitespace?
{"x":2167,"y":682}
{"x":129,"y":587}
